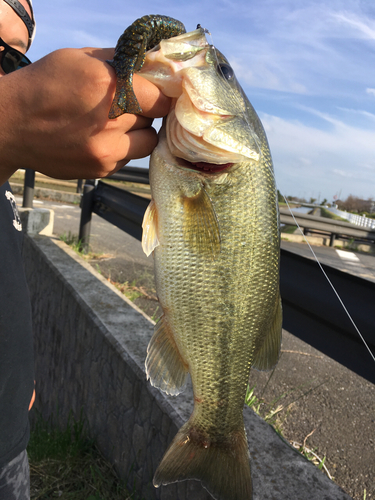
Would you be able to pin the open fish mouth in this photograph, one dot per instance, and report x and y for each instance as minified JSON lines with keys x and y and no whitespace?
{"x":210,"y":167}
{"x":206,"y":128}
{"x":197,"y":130}
{"x":206,"y":168}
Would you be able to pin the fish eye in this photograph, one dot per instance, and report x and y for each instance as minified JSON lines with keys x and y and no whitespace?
{"x":226,"y":71}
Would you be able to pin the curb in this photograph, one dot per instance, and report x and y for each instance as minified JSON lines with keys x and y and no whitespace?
{"x":50,"y":194}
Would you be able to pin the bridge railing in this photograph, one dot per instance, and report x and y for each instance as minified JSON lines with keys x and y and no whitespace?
{"x":359,"y":220}
{"x":334,"y":229}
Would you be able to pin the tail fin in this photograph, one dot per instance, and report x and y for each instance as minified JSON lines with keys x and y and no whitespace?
{"x":221,"y":464}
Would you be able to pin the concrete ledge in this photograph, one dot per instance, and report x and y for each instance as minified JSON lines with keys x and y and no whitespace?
{"x":50,"y":194}
{"x":313,"y":240}
{"x":37,"y":221}
{"x":90,"y":346}
{"x":324,"y":241}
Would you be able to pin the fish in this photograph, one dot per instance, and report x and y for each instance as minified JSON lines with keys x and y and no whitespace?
{"x":142,"y":35}
{"x":212,"y":226}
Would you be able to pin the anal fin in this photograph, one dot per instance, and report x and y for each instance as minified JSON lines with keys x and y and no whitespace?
{"x":268,"y":355}
{"x":164,"y":364}
{"x":150,"y":238}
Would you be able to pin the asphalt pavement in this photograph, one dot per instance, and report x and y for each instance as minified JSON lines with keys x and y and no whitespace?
{"x":318,"y":402}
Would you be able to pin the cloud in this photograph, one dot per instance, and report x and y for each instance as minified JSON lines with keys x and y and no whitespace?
{"x":363,"y":26}
{"x":370,"y":91}
{"x":313,"y":160}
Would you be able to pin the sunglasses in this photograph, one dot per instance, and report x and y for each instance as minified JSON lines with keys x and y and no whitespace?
{"x":12,"y":59}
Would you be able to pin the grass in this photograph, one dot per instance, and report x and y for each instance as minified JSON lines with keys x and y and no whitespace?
{"x":76,"y":245}
{"x":67,"y":464}
{"x":328,"y":215}
{"x":288,"y":229}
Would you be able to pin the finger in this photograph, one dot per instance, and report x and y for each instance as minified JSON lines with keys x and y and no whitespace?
{"x":138,"y":144}
{"x":128,"y":122}
{"x":153,"y":102}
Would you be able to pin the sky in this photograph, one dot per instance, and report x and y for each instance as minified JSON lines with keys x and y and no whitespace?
{"x":308,"y":68}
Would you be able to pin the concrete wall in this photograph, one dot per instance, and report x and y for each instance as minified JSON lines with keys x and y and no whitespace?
{"x":90,"y":346}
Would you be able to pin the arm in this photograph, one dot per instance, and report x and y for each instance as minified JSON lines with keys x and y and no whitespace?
{"x":54,"y":117}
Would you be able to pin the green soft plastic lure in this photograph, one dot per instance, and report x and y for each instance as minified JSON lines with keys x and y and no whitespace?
{"x":144,"y":34}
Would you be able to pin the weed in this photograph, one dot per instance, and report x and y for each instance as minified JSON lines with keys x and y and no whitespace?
{"x":73,"y":241}
{"x":271,"y":413}
{"x":132,"y":291}
{"x":156,"y":316}
{"x":76,"y":245}
{"x":311,"y":455}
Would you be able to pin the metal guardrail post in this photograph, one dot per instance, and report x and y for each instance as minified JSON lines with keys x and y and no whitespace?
{"x":87,"y":202}
{"x":79,"y":185}
{"x":28,"y":188}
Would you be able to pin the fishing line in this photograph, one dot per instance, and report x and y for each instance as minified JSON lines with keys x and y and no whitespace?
{"x":206,"y":31}
{"x":330,"y":282}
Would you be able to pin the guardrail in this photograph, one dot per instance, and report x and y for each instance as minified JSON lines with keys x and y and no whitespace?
{"x":335,"y":229}
{"x":124,"y":209}
{"x":359,"y":220}
{"x":118,"y":206}
{"x":28,"y":188}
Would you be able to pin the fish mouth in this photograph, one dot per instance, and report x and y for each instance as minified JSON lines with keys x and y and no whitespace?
{"x":203,"y":167}
{"x":209,"y":167}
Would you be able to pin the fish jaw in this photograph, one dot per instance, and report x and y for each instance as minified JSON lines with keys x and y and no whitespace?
{"x":173,"y":157}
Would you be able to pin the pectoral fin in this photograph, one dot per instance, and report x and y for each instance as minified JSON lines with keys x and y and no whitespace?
{"x":200,"y":226}
{"x":165,"y":366}
{"x":150,"y":238}
{"x":268,"y":355}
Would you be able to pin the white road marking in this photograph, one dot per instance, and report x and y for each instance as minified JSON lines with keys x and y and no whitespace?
{"x":347,"y":255}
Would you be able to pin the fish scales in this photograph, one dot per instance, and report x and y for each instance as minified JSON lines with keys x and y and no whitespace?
{"x":212,"y":226}
{"x":208,"y":300}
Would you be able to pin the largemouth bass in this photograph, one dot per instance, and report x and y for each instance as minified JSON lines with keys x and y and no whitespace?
{"x":213,"y":227}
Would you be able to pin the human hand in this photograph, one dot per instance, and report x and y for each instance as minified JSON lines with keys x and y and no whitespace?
{"x":54,"y":116}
